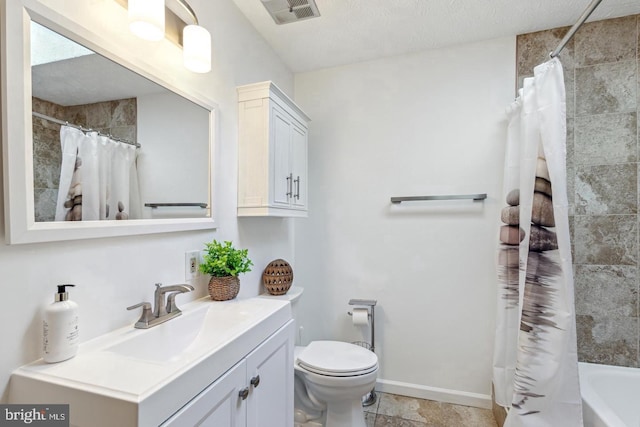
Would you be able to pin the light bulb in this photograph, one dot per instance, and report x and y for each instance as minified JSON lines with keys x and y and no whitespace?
{"x":196,"y":49}
{"x":146,"y":19}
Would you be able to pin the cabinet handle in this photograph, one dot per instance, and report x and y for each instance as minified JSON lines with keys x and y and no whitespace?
{"x":297,"y":195}
{"x":255,"y":381}
{"x":290,"y":185}
{"x":244,"y":393}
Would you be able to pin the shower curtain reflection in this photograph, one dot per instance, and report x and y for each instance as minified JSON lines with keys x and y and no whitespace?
{"x":98,"y":178}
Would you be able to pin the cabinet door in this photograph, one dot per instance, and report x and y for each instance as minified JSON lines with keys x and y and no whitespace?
{"x":271,"y":400}
{"x":299,"y":166}
{"x":218,"y":405}
{"x":281,"y":142}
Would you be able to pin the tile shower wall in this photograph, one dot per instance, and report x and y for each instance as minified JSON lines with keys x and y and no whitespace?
{"x":602,"y":80}
{"x":117,"y":118}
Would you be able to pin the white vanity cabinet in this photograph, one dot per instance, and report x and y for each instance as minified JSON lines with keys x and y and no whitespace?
{"x":221,"y":364}
{"x":217,"y":405}
{"x":256,"y":392}
{"x":272,"y":151}
{"x":270,"y":377}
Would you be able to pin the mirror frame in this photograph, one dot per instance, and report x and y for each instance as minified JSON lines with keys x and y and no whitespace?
{"x":17,"y":133}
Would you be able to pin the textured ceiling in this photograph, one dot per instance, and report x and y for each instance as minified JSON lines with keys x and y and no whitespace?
{"x":351,"y":31}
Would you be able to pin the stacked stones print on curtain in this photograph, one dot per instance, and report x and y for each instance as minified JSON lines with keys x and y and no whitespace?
{"x":511,"y":235}
{"x":542,"y":238}
{"x":537,"y":314}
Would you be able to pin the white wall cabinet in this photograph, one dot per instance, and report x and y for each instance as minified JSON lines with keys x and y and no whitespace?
{"x":256,"y":392}
{"x":272,"y":152}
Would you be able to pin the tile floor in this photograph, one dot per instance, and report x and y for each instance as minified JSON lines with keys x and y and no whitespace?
{"x":392,"y":410}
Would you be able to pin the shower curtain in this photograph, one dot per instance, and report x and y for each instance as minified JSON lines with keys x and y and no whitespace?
{"x":535,"y":370}
{"x":98,"y":178}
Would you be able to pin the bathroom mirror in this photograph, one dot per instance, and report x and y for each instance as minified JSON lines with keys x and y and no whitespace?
{"x":55,"y":81}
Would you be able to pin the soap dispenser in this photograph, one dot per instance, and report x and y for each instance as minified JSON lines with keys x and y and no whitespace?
{"x":60,"y":328}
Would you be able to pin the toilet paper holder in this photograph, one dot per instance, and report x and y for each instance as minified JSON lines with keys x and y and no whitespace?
{"x":370,"y":305}
{"x":371,"y":397}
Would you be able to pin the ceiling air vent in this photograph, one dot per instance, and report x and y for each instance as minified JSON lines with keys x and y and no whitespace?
{"x":287,"y":11}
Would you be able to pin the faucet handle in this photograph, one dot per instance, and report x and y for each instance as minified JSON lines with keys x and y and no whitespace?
{"x":171,"y":299}
{"x":146,"y":315}
{"x":145,"y":306}
{"x":171,"y":303}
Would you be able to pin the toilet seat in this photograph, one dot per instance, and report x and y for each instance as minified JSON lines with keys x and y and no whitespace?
{"x":337,"y":359}
{"x":337,"y":374}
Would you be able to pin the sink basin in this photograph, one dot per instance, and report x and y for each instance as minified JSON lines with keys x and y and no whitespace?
{"x":164,"y":342}
{"x":181,"y":336}
{"x":140,"y":377}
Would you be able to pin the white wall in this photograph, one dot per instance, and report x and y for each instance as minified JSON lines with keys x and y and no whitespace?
{"x":420,"y":124}
{"x":173,"y":163}
{"x":113,"y":273}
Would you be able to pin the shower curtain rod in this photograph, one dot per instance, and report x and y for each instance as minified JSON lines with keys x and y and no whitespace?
{"x":575,"y":28}
{"x":65,"y":123}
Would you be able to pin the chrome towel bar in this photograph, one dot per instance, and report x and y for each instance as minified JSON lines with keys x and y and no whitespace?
{"x":474,"y":197}
{"x":166,"y":205}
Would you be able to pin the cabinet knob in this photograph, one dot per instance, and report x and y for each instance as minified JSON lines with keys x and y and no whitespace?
{"x":244,"y":393}
{"x":255,"y":381}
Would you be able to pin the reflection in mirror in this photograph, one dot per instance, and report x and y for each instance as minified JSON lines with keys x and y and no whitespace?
{"x":109,"y":144}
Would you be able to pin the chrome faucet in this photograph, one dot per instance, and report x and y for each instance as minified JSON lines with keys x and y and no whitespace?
{"x":162,"y":311}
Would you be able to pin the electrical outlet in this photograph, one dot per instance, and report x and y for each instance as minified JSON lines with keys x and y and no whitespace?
{"x":191,"y":265}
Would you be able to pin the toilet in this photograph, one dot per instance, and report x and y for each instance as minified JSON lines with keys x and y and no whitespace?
{"x":331,"y":377}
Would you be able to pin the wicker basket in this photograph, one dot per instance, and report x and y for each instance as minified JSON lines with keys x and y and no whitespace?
{"x":224,"y":288}
{"x":277,"y":277}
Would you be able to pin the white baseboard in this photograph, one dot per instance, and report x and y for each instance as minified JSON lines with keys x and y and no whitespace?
{"x":434,"y":393}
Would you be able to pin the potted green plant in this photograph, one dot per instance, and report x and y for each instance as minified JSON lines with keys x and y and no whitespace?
{"x":223,"y":263}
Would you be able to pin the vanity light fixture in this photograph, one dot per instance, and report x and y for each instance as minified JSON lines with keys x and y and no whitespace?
{"x":196,"y":44}
{"x":147,"y":21}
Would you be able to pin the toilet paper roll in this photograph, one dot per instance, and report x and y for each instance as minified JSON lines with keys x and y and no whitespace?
{"x":360,"y":317}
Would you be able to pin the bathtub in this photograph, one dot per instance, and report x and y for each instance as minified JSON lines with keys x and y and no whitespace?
{"x":610,"y":395}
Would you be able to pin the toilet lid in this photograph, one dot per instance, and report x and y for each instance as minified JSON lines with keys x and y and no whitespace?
{"x":337,"y":358}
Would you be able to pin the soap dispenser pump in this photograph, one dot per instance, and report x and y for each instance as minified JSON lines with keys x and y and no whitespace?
{"x":60,"y":328}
